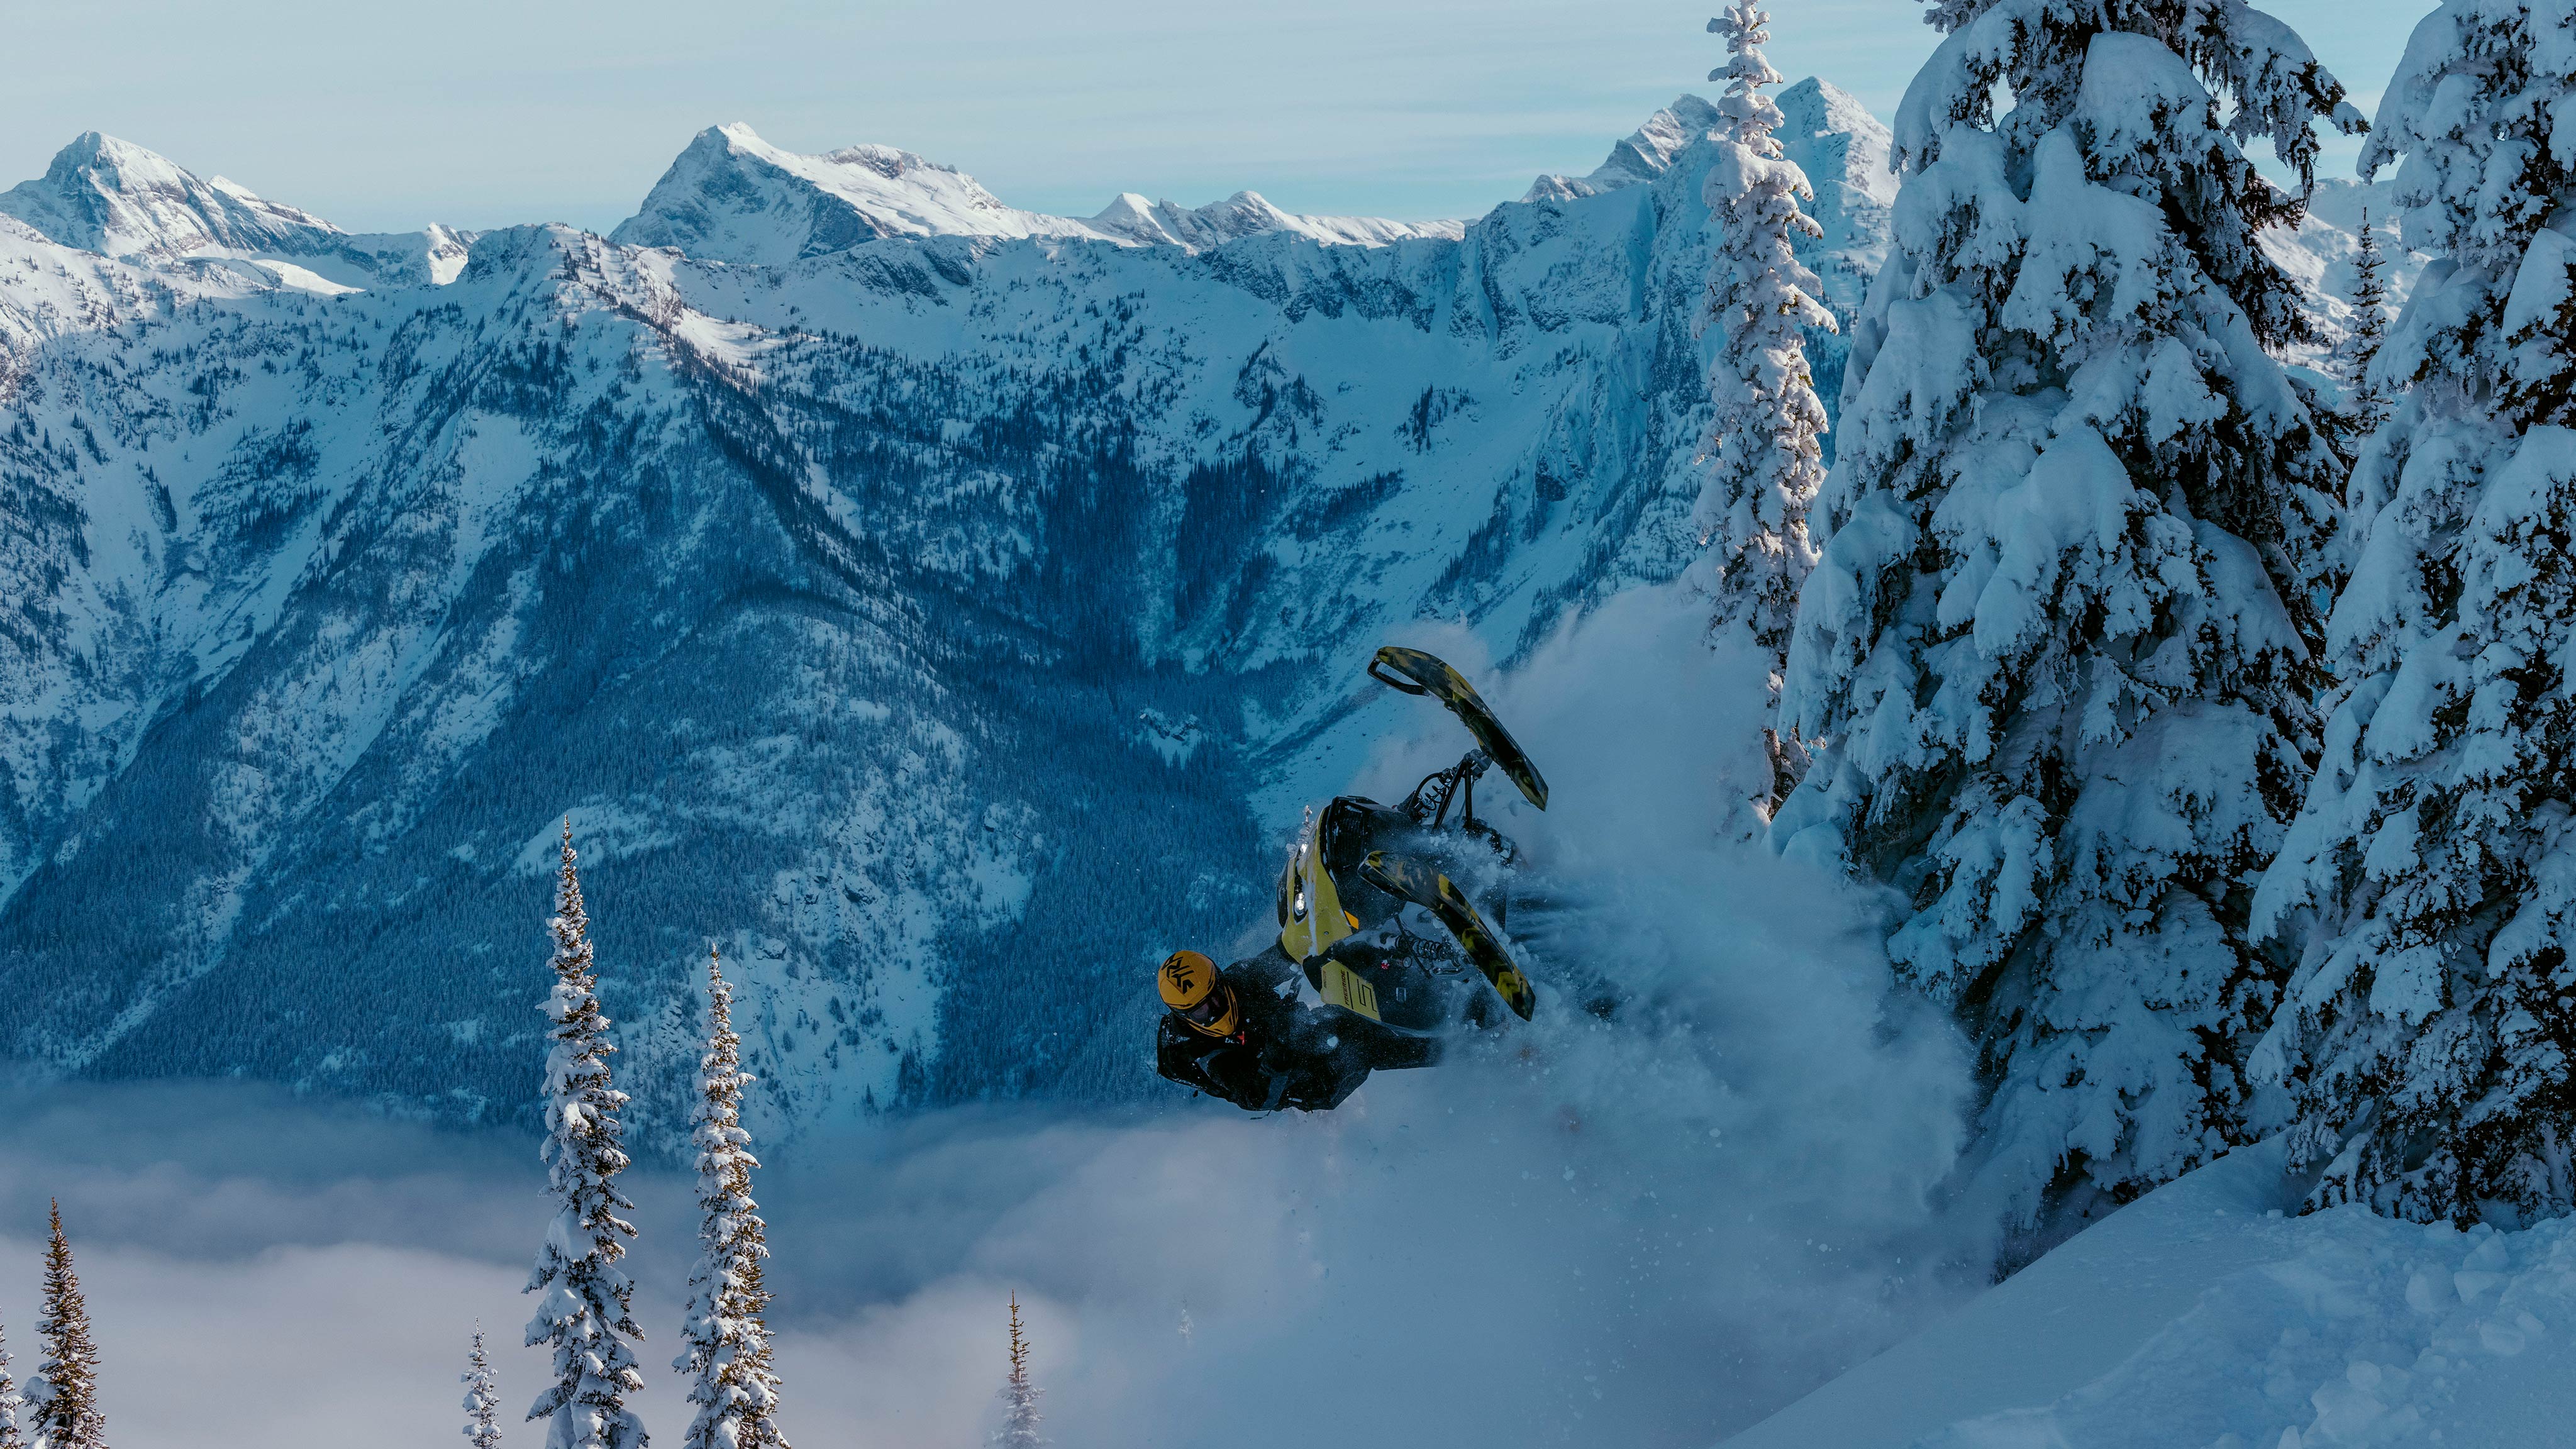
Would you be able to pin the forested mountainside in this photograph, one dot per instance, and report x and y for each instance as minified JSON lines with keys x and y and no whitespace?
{"x":912,"y":615}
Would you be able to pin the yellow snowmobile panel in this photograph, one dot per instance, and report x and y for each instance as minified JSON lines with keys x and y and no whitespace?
{"x":1312,"y":918}
{"x":1343,"y":987}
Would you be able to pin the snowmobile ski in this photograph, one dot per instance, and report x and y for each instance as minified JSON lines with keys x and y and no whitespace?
{"x":1411,"y":880}
{"x":1417,"y":672}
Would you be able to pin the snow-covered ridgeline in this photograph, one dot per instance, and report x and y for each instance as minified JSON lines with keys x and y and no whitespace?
{"x":117,"y":199}
{"x":732,"y":197}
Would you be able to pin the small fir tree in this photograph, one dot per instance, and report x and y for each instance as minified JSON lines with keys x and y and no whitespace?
{"x":64,"y":1394}
{"x":1020,"y":1416}
{"x":482,"y":1396}
{"x":2055,"y":657}
{"x":2428,"y":1036}
{"x":733,"y":1385}
{"x":11,"y":1436}
{"x":2366,"y":398}
{"x":1767,"y":420}
{"x":584,"y":1315}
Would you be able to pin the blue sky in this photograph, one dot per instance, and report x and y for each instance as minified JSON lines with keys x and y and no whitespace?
{"x":485,"y":112}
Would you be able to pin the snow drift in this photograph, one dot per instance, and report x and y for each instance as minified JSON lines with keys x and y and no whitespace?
{"x":2207,"y":1313}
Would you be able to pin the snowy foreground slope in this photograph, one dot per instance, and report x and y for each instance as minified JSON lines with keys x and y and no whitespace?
{"x":880,"y":594}
{"x":2208,"y":1314}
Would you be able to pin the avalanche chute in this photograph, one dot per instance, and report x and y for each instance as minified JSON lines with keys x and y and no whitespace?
{"x":1383,"y":912}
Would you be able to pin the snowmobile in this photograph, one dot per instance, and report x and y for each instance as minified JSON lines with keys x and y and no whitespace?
{"x":1359,"y":865}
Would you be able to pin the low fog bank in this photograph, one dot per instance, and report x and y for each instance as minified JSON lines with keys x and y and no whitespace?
{"x":1644,"y":1230}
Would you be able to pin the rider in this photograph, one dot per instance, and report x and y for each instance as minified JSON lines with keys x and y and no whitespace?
{"x":1241,"y":1034}
{"x":1390,"y":996}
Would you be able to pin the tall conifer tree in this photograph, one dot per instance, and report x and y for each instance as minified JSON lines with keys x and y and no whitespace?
{"x":482,"y":1396}
{"x":2054,"y":655}
{"x":2428,"y":1035}
{"x":733,"y":1385}
{"x":2367,"y":397}
{"x":65,"y":1391}
{"x":1763,"y":434}
{"x":1020,"y":1393}
{"x":584,"y":1314}
{"x":11,"y":1401}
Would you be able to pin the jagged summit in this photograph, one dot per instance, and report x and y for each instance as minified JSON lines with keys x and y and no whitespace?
{"x":1641,"y":156}
{"x":118,"y":199}
{"x":1853,"y":152}
{"x":1824,"y":128}
{"x":733,"y":197}
{"x":1827,"y":131}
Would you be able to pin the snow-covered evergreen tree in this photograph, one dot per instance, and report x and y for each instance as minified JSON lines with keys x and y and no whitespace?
{"x":2366,"y":398}
{"x":482,"y":1396}
{"x":733,"y":1385}
{"x":584,"y":1314}
{"x":1020,"y":1417}
{"x":11,"y":1401}
{"x":1763,"y":433}
{"x":63,"y":1396}
{"x":2053,"y":658}
{"x":2428,"y":1035}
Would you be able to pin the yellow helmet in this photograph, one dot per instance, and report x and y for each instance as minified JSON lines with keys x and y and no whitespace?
{"x":1187,"y":980}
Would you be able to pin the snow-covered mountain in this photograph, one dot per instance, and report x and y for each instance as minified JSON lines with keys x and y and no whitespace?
{"x":1825,"y":129}
{"x":110,"y":196}
{"x":732,"y":197}
{"x":844,"y":551}
{"x":116,"y":199}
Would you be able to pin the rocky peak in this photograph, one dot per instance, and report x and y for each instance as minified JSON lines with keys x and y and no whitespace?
{"x":117,"y":199}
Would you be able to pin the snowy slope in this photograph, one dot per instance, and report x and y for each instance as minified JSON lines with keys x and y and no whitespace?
{"x":849,"y":604}
{"x":732,"y":197}
{"x":2202,"y":1315}
{"x":47,"y":291}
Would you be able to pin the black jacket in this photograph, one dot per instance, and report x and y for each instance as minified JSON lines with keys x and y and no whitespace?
{"x":1282,"y":1053}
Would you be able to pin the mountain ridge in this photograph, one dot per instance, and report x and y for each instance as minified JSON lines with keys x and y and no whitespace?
{"x":120,"y":200}
{"x":732,"y":197}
